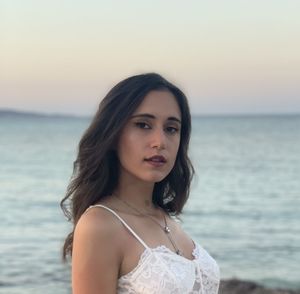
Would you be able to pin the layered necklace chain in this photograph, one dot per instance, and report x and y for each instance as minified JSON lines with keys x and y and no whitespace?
{"x":164,"y":227}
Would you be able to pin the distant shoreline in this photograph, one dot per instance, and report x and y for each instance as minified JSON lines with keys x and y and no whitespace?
{"x":24,"y":113}
{"x":12,"y":112}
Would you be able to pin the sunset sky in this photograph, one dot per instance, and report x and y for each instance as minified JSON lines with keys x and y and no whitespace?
{"x":232,"y":56}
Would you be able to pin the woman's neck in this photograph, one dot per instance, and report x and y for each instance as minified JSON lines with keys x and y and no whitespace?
{"x":140,"y":200}
{"x":136,"y":193}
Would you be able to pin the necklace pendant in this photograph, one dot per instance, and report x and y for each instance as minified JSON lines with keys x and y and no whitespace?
{"x":167,"y":230}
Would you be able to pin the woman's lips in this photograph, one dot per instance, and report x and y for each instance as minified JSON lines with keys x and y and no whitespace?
{"x":156,"y":160}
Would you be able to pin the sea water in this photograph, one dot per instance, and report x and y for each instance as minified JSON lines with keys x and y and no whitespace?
{"x":244,"y":205}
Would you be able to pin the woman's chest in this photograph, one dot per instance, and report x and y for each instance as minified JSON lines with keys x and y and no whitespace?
{"x":161,"y":271}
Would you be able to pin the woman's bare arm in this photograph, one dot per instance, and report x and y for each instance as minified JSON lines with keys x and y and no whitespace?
{"x":96,"y":257}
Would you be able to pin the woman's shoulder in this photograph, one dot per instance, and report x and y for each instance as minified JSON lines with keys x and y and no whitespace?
{"x":98,"y":220}
{"x":99,"y":226}
{"x":96,"y":254}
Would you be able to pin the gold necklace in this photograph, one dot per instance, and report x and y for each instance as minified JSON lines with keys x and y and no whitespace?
{"x":165,"y":228}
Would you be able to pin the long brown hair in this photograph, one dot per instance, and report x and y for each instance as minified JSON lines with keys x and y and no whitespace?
{"x":96,"y":168}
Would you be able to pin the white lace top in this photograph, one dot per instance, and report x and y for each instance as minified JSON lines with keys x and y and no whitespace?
{"x":162,"y":271}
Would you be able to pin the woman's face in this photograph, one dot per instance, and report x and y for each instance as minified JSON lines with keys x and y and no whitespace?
{"x":148,"y":144}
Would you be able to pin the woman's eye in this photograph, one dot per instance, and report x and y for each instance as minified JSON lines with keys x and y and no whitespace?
{"x":142,"y":125}
{"x":172,"y":130}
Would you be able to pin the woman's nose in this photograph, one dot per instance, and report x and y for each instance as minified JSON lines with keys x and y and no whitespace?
{"x":158,"y":139}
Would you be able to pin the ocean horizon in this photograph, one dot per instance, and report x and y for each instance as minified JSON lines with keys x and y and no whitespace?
{"x":244,"y":204}
{"x":54,"y":114}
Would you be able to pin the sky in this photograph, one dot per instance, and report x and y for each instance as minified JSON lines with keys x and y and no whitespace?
{"x":229,"y":57}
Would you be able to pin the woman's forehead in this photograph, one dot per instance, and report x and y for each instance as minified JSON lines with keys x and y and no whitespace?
{"x":161,"y":104}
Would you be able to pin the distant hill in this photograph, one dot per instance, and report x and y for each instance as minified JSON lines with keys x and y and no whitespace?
{"x":24,"y":114}
{"x":18,"y":113}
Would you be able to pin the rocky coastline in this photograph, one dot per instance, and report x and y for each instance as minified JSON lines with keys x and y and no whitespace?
{"x":234,"y":286}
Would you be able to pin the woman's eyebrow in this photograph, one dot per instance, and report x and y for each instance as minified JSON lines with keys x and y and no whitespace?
{"x":151,"y":116}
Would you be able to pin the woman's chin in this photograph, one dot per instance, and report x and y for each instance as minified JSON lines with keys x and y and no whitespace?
{"x":154,"y":178}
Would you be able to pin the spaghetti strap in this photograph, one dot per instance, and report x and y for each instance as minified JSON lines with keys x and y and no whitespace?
{"x":122,"y":221}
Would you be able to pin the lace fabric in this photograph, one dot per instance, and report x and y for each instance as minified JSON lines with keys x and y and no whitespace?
{"x":161,"y":271}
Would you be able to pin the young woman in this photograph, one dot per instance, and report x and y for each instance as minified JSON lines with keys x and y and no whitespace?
{"x":130,"y":182}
